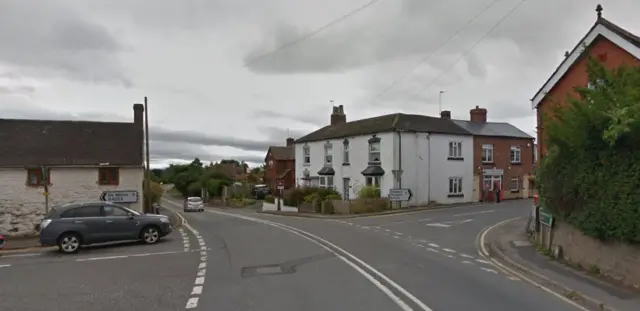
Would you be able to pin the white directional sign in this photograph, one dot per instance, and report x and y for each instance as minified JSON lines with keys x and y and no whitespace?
{"x":125,"y":196}
{"x":400,"y":194}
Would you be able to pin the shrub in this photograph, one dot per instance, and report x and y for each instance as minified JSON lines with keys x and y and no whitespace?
{"x":591,"y":174}
{"x":333,"y":197}
{"x":369,"y":192}
{"x":270,"y":199}
{"x":299,"y":195}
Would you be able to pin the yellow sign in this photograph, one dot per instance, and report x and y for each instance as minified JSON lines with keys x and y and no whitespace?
{"x":45,"y":193}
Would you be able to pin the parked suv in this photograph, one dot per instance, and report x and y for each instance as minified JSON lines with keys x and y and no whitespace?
{"x":73,"y":225}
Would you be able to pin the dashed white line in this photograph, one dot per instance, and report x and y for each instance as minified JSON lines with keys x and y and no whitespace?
{"x":465,"y":256}
{"x":490,"y":270}
{"x":448,"y":250}
{"x":199,"y":280}
{"x":467,"y":262}
{"x":202,"y":265}
{"x":434,"y":245}
{"x":4,"y":266}
{"x":483,"y":261}
{"x":192,"y":303}
{"x":197,"y":290}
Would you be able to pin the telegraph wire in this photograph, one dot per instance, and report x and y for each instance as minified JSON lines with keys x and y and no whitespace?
{"x":426,"y":58}
{"x":468,"y":50}
{"x":312,"y":33}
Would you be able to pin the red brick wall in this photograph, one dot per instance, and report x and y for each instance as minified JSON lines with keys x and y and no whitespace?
{"x":502,"y":160}
{"x":576,"y":76}
{"x":278,"y":167}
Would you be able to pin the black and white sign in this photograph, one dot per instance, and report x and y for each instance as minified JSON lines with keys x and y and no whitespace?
{"x":400,"y":194}
{"x":124,"y":196}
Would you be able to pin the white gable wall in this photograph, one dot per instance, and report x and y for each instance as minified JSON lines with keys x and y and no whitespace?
{"x":442,"y":168}
{"x":22,"y":206}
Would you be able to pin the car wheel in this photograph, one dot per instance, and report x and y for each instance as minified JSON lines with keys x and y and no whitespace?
{"x":69,"y":243}
{"x":150,"y":235}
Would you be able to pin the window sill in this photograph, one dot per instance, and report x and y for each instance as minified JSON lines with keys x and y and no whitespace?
{"x":488,"y":163}
{"x":375,"y":163}
{"x":306,"y":164}
{"x":514,"y":191}
{"x":455,"y":159}
{"x":36,"y":186}
{"x":108,"y":184}
{"x":346,"y":164}
{"x":455,"y":195}
{"x":516,"y":163}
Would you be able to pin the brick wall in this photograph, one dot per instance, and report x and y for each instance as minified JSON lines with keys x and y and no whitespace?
{"x":616,"y":260}
{"x":23,"y":207}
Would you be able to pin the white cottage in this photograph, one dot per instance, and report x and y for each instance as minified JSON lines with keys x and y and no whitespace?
{"x":44,"y":162}
{"x":431,"y":156}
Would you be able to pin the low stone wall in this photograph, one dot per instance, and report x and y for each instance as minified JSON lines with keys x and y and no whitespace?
{"x":616,"y":260}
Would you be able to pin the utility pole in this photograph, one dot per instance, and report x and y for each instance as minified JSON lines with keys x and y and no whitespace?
{"x":147,"y":184}
{"x":440,"y":101}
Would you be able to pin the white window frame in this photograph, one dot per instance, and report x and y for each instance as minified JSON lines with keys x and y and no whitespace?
{"x":328,"y":153}
{"x":517,"y":184}
{"x":372,"y":181}
{"x":455,"y":186}
{"x":306,"y":155}
{"x":345,"y":152}
{"x":487,"y":153}
{"x":322,"y":181}
{"x":455,"y":149}
{"x":373,"y":153}
{"x":515,"y":154}
{"x":330,"y":183}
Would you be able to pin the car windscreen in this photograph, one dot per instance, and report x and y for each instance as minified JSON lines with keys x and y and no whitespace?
{"x":195,"y":200}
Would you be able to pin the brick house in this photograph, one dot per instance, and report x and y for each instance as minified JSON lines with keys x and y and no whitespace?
{"x":280,"y":163}
{"x":502,"y":155}
{"x":606,"y":42}
{"x":76,"y":160}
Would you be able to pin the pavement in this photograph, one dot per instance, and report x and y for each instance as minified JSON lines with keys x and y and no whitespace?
{"x":508,"y":244}
{"x":238,"y":259}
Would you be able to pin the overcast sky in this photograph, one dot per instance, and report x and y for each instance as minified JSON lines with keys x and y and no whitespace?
{"x":216,"y":92}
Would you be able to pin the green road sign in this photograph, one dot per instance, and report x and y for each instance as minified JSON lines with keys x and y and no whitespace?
{"x":545,"y":217}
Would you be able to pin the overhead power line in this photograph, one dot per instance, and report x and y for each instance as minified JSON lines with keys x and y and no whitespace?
{"x":426,"y":58}
{"x":495,"y":26}
{"x":313,"y":33}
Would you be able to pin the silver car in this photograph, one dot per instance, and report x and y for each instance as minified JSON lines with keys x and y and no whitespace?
{"x":193,"y":204}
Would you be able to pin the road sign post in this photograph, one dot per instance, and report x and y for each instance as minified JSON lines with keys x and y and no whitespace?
{"x":400,"y":194}
{"x":123,"y":196}
{"x":280,"y":183}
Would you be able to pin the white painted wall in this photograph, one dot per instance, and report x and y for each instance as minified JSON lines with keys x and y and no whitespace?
{"x":423,"y":160}
{"x":21,"y":206}
{"x":442,"y":168}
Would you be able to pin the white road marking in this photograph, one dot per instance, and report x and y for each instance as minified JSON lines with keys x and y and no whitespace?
{"x":398,"y":233}
{"x":451,"y":256}
{"x":474,"y":213}
{"x":467,"y":262}
{"x":433,"y":250}
{"x":4,"y":266}
{"x":192,"y":303}
{"x":202,"y":265}
{"x":199,"y":280}
{"x":197,"y":290}
{"x":102,"y":258}
{"x":203,"y":253}
{"x":439,"y":225}
{"x":465,"y":256}
{"x":483,"y":261}
{"x":368,"y":272}
{"x":127,"y":256}
{"x":490,"y":270}
{"x":21,"y":255}
{"x":482,"y":251}
{"x":448,"y":250}
{"x":513,"y":278}
{"x":419,"y":245}
{"x":404,"y":222}
{"x":202,"y":272}
{"x":434,"y":245}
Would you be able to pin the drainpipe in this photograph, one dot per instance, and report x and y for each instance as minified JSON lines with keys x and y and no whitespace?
{"x":429,"y":168}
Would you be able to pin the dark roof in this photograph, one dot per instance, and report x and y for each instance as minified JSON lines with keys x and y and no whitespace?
{"x":47,"y":142}
{"x":386,"y":123}
{"x":282,"y":153}
{"x":497,"y":129}
{"x":631,"y":38}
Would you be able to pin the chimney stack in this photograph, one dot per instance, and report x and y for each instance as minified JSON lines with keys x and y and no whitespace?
{"x":478,"y":115}
{"x":445,"y":114}
{"x":290,"y":142}
{"x":338,"y":116}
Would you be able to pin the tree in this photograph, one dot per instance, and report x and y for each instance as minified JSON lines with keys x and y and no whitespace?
{"x":591,"y":175}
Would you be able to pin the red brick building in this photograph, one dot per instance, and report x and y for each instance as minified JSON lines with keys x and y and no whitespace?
{"x":606,"y":42}
{"x":503,"y":156}
{"x":280,"y":163}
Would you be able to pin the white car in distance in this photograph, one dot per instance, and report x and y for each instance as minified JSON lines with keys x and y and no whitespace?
{"x":194,"y":204}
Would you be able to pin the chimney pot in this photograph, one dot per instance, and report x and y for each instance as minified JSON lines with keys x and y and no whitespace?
{"x":445,"y":114}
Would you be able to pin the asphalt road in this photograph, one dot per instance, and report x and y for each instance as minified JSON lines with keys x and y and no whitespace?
{"x":233,"y":260}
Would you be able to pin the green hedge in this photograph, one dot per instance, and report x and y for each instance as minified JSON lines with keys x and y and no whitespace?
{"x":591,"y":175}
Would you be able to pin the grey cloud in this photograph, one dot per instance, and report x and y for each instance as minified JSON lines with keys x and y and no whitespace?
{"x":279,"y":134}
{"x":20,"y":89}
{"x":163,"y":151}
{"x":49,"y":39}
{"x":197,"y":138}
{"x":419,"y":28}
{"x":315,"y":119}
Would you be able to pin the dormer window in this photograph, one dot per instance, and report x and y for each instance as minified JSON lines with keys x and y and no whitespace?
{"x":328,"y":153}
{"x":306,"y":155}
{"x":374,"y":150}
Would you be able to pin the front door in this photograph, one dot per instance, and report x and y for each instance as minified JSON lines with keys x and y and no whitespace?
{"x":119,"y":226}
{"x":345,"y":188}
{"x":488,"y":186}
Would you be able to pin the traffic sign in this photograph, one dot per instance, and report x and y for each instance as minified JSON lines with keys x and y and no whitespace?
{"x":280,"y":184}
{"x":400,"y":194}
{"x":545,"y":217}
{"x":124,"y":196}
